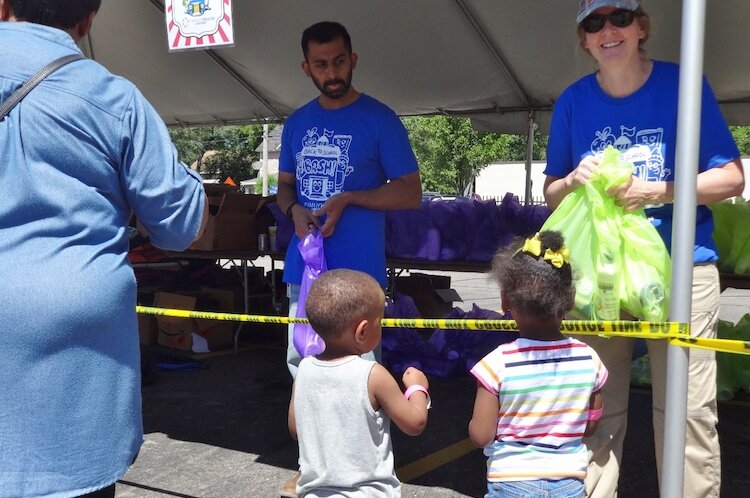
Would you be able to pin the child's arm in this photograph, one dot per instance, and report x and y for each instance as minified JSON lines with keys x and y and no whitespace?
{"x":483,"y":424}
{"x":596,"y":405}
{"x":410,"y":415}
{"x":291,"y":422}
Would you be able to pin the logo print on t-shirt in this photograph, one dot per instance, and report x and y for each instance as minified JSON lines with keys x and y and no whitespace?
{"x":323,"y":164}
{"x":644,"y":148}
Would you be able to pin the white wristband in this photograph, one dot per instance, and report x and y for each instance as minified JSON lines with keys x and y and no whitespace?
{"x":415,"y":388}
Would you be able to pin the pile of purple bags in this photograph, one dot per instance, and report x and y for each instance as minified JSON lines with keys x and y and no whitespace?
{"x":460,"y":230}
{"x":442,"y":352}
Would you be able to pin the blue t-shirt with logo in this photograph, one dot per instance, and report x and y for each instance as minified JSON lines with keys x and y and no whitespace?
{"x":358,"y":147}
{"x":643,"y":126}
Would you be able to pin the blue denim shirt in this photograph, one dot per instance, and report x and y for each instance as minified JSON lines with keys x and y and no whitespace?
{"x":78,"y":154}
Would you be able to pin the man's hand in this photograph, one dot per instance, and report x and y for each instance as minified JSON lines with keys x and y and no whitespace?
{"x":304,"y":220}
{"x":332,"y":209}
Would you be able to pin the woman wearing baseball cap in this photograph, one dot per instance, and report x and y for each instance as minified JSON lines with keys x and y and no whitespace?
{"x":630,"y":102}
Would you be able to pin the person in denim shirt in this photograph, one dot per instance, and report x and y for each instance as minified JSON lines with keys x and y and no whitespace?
{"x":80,"y":153}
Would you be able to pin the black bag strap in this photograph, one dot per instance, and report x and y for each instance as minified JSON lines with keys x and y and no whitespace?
{"x":29,"y":85}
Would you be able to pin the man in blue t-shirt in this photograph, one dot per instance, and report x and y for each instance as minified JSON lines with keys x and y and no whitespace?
{"x":345,"y":159}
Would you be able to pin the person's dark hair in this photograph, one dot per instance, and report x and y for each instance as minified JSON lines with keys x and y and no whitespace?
{"x":56,"y":13}
{"x":641,"y":17}
{"x":325,"y":32}
{"x":531,"y":284}
{"x":340,"y":298}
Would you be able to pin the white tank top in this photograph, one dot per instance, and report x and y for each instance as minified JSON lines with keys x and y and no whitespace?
{"x":344,"y":445}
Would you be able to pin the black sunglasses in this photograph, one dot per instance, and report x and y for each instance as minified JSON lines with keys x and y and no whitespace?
{"x":618,"y":18}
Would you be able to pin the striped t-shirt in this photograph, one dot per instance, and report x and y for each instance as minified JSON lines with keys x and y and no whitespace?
{"x":544,"y":389}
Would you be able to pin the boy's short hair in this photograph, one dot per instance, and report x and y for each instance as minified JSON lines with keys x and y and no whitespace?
{"x":55,"y":13}
{"x":324,"y":32}
{"x":339,"y":299}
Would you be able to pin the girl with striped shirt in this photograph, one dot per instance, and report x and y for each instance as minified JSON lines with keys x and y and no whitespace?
{"x":538,"y":396}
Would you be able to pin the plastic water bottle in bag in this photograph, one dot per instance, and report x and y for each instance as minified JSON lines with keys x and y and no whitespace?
{"x":607,"y":302}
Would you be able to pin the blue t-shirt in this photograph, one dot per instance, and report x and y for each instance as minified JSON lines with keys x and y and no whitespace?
{"x":643,"y":126}
{"x":79,"y":153}
{"x":357,"y":147}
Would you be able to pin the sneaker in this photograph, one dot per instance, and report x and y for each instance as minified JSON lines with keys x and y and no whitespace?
{"x":289,"y":488}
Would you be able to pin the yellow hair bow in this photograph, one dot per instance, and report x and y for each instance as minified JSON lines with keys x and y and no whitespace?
{"x":533,"y":246}
{"x":557,"y":258}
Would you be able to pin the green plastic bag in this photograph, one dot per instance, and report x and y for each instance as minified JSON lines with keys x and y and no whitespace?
{"x":618,"y":258}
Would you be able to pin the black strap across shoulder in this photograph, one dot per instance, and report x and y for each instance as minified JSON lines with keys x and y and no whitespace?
{"x":29,"y":85}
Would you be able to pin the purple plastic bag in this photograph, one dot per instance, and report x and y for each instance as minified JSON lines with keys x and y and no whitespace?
{"x":306,"y":341}
{"x":406,"y":231}
{"x":402,"y":347}
{"x":459,"y":350}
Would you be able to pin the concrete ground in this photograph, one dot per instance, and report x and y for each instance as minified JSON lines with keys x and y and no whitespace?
{"x":219,"y":430}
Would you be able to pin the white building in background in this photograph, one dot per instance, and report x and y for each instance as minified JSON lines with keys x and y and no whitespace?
{"x":495,"y":180}
{"x":274,"y":151}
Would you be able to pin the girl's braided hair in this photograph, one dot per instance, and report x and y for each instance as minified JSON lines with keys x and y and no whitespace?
{"x":535,"y":275}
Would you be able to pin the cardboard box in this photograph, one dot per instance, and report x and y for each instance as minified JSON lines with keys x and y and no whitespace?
{"x":180,"y":333}
{"x":218,"y":334}
{"x":235,"y":220}
{"x":431,"y":293}
{"x":175,"y":332}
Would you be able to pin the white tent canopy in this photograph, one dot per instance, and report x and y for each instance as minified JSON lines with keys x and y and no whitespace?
{"x":492,"y":60}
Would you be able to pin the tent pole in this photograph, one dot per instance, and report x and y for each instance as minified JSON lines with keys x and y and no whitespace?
{"x":264,"y":171}
{"x":683,"y":240}
{"x":529,"y":157}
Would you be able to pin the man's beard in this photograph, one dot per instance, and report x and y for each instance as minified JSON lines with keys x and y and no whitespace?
{"x":337,"y":94}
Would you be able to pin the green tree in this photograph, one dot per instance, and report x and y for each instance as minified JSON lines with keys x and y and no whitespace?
{"x":451,"y":153}
{"x":234,"y":145}
{"x":741,"y":136}
{"x":273,"y":185}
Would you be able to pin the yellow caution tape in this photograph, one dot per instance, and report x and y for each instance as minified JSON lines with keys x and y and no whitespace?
{"x":720,"y":345}
{"x":676,"y":333}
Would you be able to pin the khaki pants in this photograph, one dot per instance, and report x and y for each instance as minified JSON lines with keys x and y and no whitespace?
{"x":702,"y":457}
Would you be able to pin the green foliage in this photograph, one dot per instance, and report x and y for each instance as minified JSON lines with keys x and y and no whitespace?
{"x":741,"y":136}
{"x":273,"y":185}
{"x":451,"y":153}
{"x":234,"y":145}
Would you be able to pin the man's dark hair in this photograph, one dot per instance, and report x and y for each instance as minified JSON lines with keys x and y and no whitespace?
{"x":325,"y":32}
{"x":56,"y":13}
